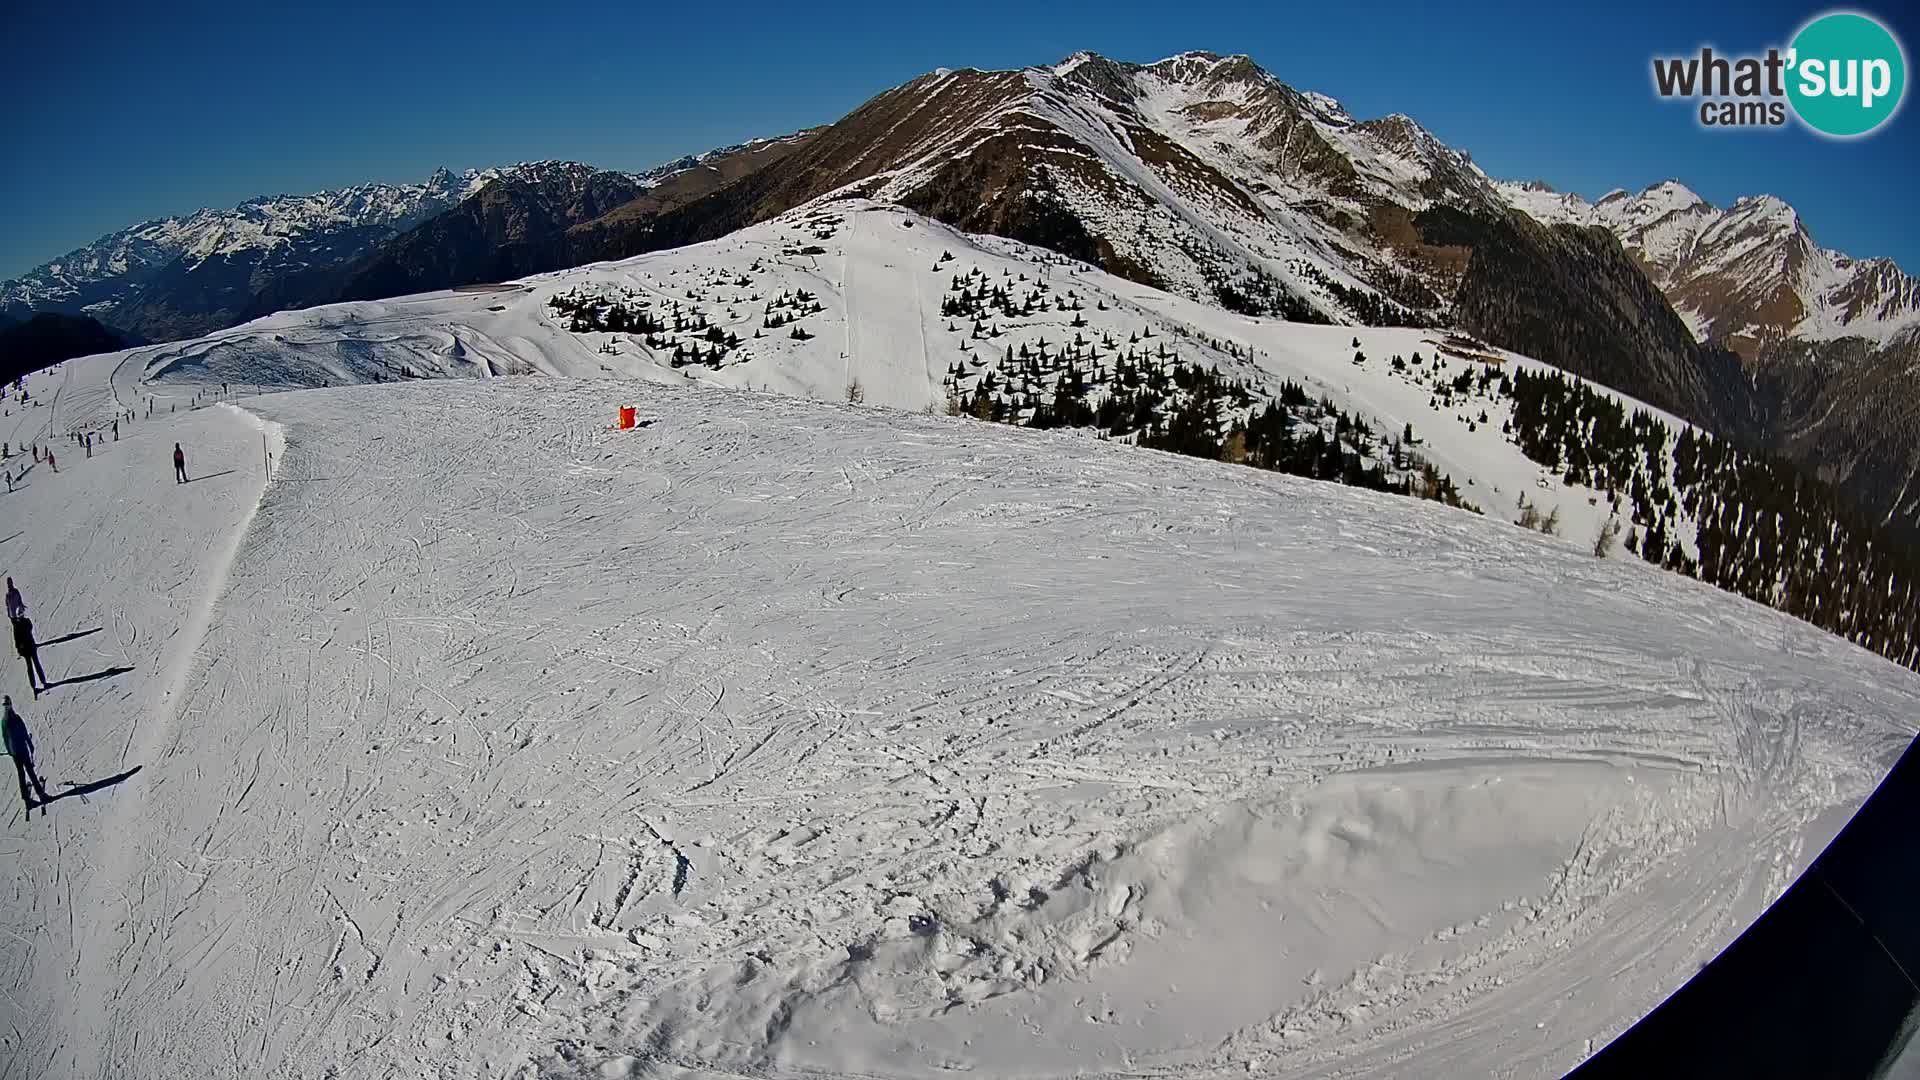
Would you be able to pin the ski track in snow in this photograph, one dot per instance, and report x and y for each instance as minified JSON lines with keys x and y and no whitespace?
{"x":784,"y":739}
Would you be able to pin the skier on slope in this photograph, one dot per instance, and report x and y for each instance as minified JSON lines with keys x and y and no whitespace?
{"x":16,"y":606}
{"x":20,"y":747}
{"x":29,"y":651}
{"x":179,"y":464}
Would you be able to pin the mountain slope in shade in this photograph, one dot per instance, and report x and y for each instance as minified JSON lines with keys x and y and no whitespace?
{"x":51,"y":337}
{"x":1830,"y":344}
{"x":695,"y":178}
{"x":505,"y":229}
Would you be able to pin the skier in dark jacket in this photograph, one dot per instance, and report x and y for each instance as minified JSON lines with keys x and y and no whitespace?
{"x":179,"y":464}
{"x":29,"y":651}
{"x":20,"y":748}
{"x":16,"y":607}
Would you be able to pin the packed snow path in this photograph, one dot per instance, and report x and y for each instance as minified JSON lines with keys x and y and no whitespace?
{"x":777,"y":738}
{"x":121,"y":567}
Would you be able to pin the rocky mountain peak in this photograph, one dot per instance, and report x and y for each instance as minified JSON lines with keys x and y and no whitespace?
{"x":1087,"y":71}
{"x":1749,"y":276}
{"x":1672,"y":191}
{"x":1208,"y":68}
{"x":1765,"y":208}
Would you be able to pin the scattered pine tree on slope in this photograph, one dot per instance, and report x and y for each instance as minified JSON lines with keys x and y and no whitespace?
{"x":1748,"y":523}
{"x":1168,"y":404}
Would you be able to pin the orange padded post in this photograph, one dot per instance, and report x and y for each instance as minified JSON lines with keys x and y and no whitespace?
{"x":626,"y":417}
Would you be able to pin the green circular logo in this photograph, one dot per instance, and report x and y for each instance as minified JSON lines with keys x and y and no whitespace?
{"x":1848,"y":74}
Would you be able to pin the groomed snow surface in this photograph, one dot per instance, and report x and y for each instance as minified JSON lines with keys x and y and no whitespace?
{"x":781,"y":738}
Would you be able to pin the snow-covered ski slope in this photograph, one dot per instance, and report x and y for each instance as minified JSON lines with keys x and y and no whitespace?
{"x":874,"y":278}
{"x":778,"y":738}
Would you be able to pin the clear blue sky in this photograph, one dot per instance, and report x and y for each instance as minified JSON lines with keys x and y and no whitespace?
{"x":121,"y":112}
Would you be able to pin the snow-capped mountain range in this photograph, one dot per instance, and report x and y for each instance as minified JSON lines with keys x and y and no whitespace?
{"x":1202,"y":174}
{"x":176,"y":276}
{"x":270,"y":223}
{"x":1750,"y":274}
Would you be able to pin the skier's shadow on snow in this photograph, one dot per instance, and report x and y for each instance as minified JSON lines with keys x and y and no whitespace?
{"x":73,"y":790}
{"x":75,"y":636}
{"x":95,"y":677}
{"x":211,"y":476}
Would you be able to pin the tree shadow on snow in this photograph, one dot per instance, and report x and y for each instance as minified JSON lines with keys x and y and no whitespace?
{"x":83,"y":790}
{"x":75,"y":636}
{"x":95,"y":677}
